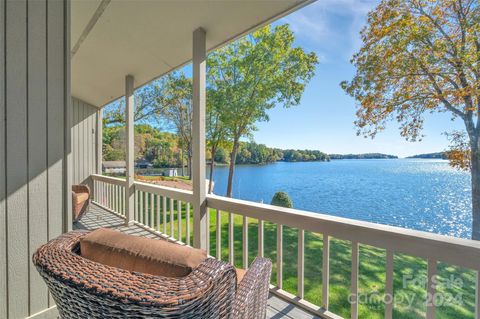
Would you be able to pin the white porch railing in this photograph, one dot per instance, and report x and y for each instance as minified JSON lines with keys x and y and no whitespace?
{"x":164,"y":209}
{"x":167,"y":210}
{"x":109,"y":192}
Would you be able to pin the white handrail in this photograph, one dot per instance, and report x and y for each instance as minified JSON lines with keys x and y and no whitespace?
{"x":108,"y":179}
{"x":170,"y":192}
{"x":417,"y":243}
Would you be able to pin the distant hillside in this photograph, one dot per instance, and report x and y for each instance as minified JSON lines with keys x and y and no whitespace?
{"x":362,"y":156}
{"x":438,"y":155}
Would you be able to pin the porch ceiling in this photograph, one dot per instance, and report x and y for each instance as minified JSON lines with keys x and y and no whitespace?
{"x":147,"y":39}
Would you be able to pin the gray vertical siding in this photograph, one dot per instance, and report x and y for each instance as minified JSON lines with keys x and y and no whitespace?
{"x":34,"y":102}
{"x":84,"y":139}
{"x":17,"y":159}
{"x":3,"y":215}
{"x":37,"y":144}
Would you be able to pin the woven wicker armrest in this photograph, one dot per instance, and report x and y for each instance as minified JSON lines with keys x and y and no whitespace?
{"x":252,"y":291}
{"x":86,"y":289}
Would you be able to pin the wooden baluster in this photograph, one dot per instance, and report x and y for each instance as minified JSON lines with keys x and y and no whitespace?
{"x":164,"y":206}
{"x":231,"y":244}
{"x":325,"y":271}
{"x":187,"y":221}
{"x":115,"y":189}
{"x":123,"y":200}
{"x":158,"y":213}
{"x":301,"y":263}
{"x":148,"y":207}
{"x":141,"y":207}
{"x":261,"y":225}
{"x":119,"y":200}
{"x":152,"y":210}
{"x":389,"y":285}
{"x":104,"y":194}
{"x":110,"y":196}
{"x":135,"y":211}
{"x":219,"y":235}
{"x":114,"y":197}
{"x":179,"y":213}
{"x":279,"y":256}
{"x":107,"y":194}
{"x":145,"y":208}
{"x":245,"y":242}
{"x":172,"y":219}
{"x":431,"y":287}
{"x":354,"y":289}
{"x":207,"y":233}
{"x":105,"y":185}
{"x":107,"y":197}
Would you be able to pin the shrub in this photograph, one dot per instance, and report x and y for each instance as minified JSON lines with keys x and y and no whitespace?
{"x":282,"y":199}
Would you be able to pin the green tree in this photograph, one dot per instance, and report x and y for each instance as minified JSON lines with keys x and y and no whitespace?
{"x":176,"y":101}
{"x":147,"y":107}
{"x":255,"y":74}
{"x":282,"y":199}
{"x":216,"y":130}
{"x":421,"y":56}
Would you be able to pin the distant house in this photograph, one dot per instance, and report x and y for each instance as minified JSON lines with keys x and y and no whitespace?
{"x":114,"y":167}
{"x":172,"y":172}
{"x":143,"y":163}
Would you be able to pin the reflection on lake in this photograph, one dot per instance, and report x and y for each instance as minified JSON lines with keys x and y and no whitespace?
{"x":419,"y":194}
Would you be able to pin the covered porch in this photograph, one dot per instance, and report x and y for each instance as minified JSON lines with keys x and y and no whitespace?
{"x":112,"y":56}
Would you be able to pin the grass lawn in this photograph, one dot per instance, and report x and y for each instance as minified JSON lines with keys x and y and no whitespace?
{"x":455,"y":297}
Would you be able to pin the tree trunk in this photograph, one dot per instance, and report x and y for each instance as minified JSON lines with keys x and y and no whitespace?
{"x":181,"y":156}
{"x":189,"y":162}
{"x":212,"y":165}
{"x":231,"y":171}
{"x":475,"y":169}
{"x":189,"y":167}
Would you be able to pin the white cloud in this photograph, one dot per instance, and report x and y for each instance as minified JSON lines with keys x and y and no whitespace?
{"x":331,"y":25}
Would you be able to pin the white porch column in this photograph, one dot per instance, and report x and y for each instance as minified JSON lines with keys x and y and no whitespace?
{"x":99,"y":137}
{"x":130,"y":143}
{"x":198,"y":143}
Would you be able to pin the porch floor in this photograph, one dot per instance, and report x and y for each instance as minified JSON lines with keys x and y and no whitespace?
{"x":98,"y":217}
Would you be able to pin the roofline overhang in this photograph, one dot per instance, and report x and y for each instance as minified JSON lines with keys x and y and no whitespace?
{"x":229,"y":40}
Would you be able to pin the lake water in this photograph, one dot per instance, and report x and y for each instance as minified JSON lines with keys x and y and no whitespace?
{"x":419,"y":194}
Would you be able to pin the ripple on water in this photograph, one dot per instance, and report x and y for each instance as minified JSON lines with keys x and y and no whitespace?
{"x":425,"y":195}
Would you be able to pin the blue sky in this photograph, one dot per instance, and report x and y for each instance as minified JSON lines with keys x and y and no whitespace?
{"x":324,"y":119}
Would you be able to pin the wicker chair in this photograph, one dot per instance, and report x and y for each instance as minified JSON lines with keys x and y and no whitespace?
{"x":80,"y":200}
{"x":86,"y":289}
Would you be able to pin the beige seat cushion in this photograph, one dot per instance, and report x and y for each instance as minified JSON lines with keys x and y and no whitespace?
{"x":81,"y":197}
{"x":140,"y":254}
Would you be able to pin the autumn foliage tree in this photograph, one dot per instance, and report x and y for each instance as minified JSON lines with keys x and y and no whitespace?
{"x":421,"y":56}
